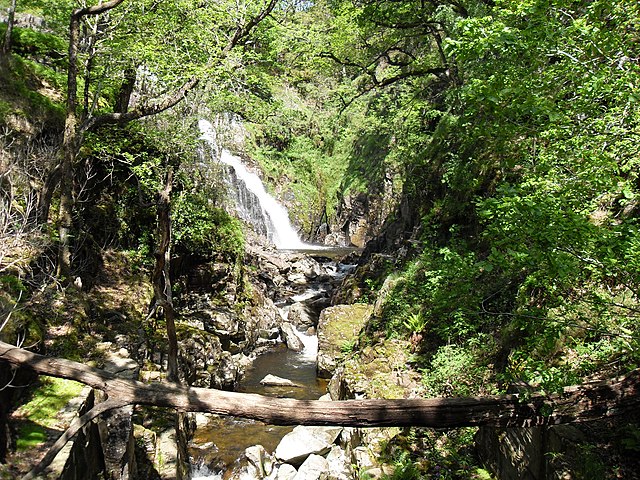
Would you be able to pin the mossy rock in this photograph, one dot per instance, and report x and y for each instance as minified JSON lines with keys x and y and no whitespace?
{"x":338,"y":330}
{"x":381,"y":371}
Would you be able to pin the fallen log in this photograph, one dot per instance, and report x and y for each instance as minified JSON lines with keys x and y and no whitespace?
{"x":575,"y":404}
{"x":578,"y":403}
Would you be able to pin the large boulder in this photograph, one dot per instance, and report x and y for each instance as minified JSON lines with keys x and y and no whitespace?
{"x":301,"y":315}
{"x":303,"y":441}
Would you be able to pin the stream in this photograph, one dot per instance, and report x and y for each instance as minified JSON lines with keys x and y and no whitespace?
{"x":218,"y":444}
{"x":219,"y":441}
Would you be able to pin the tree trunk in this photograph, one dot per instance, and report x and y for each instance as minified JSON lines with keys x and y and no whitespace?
{"x":164,"y":300}
{"x":72,"y":137}
{"x":161,"y":278}
{"x":46,"y":194}
{"x":11,"y":14}
{"x":126,"y":90}
{"x":575,"y":404}
{"x":69,"y":152}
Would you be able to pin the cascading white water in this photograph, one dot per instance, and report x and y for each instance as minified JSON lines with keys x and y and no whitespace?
{"x":275,"y":216}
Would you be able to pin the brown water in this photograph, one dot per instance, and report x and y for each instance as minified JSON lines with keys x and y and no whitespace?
{"x":224,"y":439}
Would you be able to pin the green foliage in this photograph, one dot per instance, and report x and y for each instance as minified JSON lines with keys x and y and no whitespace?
{"x":47,"y":47}
{"x":348,"y":346}
{"x":204,"y":230}
{"x":456,"y":371}
{"x":426,"y":453}
{"x":415,"y":323}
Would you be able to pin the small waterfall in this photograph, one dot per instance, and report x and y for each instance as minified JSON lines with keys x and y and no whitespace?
{"x":253,"y":203}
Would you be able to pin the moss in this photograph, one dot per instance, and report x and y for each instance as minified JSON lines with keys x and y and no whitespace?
{"x":42,"y":412}
{"x":342,"y":324}
{"x":30,"y":435}
{"x":48,"y":399}
{"x":380,"y":371}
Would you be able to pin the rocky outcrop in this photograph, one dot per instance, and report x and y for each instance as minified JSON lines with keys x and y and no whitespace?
{"x":338,"y":329}
{"x":205,"y":363}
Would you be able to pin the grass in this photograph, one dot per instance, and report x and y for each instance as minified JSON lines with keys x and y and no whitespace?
{"x":30,"y":435}
{"x":42,"y":411}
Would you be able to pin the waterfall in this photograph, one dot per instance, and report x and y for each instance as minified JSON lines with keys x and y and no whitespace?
{"x":253,"y":203}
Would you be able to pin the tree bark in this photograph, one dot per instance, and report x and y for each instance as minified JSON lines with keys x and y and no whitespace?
{"x":126,"y":90}
{"x":11,"y":14}
{"x":69,"y":144}
{"x":579,"y":403}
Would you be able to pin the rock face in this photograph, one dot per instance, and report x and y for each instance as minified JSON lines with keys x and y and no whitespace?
{"x":338,"y":328}
{"x":204,"y":362}
{"x":535,"y":453}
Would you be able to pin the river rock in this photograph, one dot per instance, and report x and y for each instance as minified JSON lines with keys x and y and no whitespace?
{"x":303,"y":441}
{"x":308,"y":267}
{"x":283,"y":472}
{"x":274,"y":381}
{"x":291,"y":337}
{"x":314,"y":467}
{"x":300,"y":315}
{"x":338,"y":465}
{"x":255,"y":464}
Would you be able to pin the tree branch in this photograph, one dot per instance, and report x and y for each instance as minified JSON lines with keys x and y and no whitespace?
{"x":243,"y":31}
{"x":142,"y":111}
{"x":96,"y":9}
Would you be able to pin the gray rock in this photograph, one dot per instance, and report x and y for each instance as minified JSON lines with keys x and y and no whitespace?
{"x":314,"y":467}
{"x":300,"y":315}
{"x":339,"y":466}
{"x":303,"y":441}
{"x":291,"y":338}
{"x":255,"y":464}
{"x":274,"y":381}
{"x":285,"y":472}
